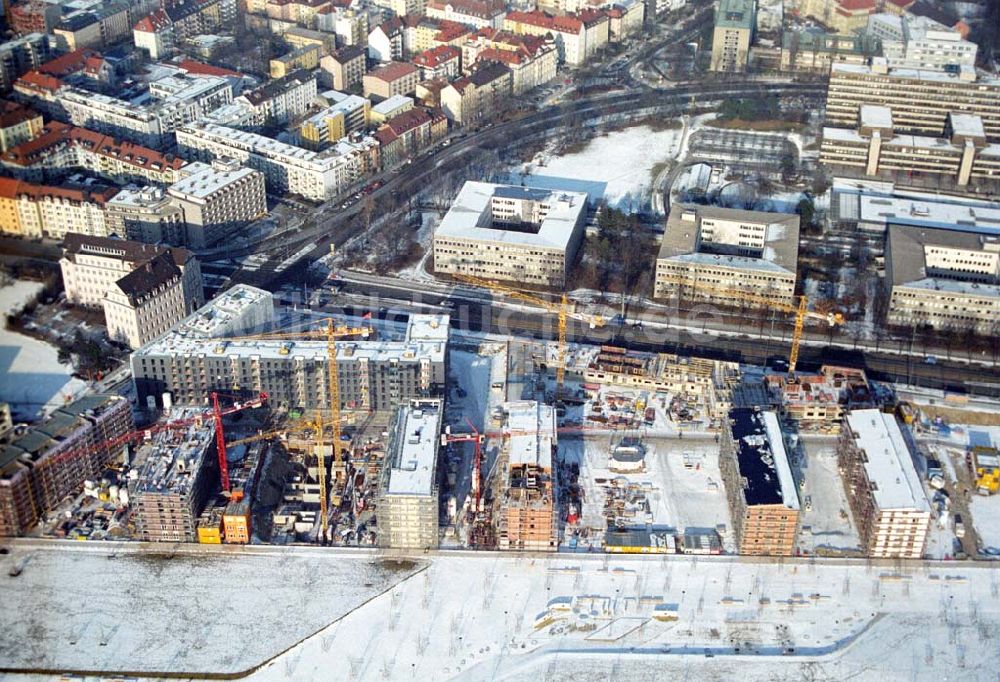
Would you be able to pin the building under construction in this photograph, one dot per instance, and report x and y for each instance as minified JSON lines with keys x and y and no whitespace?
{"x":527,"y":504}
{"x":408,"y":506}
{"x":230,"y":520}
{"x":53,"y":459}
{"x":700,"y":378}
{"x":818,"y":402}
{"x":759,"y":485}
{"x":174,"y":474}
{"x":206,"y":353}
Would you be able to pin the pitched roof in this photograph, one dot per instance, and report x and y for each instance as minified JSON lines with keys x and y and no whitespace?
{"x":69,"y":63}
{"x":148,"y":278}
{"x":156,"y":21}
{"x":437,"y":55}
{"x":12,"y":113}
{"x":203,"y":69}
{"x":348,"y":53}
{"x":487,"y":72}
{"x":123,"y":249}
{"x":34,"y":80}
{"x":393,"y":71}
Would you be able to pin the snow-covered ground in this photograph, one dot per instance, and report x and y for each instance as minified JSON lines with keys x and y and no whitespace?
{"x":617,"y":166}
{"x":425,"y":237}
{"x":31,"y":378}
{"x":826,"y":521}
{"x":107,"y":607}
{"x":986,"y":520}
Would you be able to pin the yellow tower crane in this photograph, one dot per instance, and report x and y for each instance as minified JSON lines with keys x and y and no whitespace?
{"x":562,"y":309}
{"x":799,"y":309}
{"x":330,"y":333}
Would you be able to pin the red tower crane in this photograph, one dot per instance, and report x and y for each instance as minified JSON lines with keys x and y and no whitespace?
{"x":147,"y":434}
{"x":220,"y":435}
{"x":476,"y":439}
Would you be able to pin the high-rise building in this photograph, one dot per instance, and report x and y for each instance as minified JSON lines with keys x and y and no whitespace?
{"x":408,"y":505}
{"x":735,"y":21}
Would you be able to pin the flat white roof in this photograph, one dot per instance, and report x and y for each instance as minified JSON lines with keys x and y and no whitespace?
{"x":917,"y":74}
{"x":532,"y":432}
{"x":785,"y":479}
{"x":969,"y":125}
{"x":387,"y":106}
{"x":413,"y":461}
{"x":470,"y":216}
{"x":876,"y":116}
{"x":207,"y":181}
{"x":889,"y":465}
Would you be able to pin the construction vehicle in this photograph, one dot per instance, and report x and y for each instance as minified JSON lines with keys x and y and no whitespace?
{"x":801,"y":310}
{"x":562,"y":309}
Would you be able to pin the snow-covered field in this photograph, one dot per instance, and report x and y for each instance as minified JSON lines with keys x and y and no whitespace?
{"x":618,"y":166}
{"x":31,"y":378}
{"x":106,"y":607}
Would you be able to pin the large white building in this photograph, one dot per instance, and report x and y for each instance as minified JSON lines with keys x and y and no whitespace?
{"x":145,"y":303}
{"x":408,"y":506}
{"x":91,"y":266}
{"x":884,"y":491}
{"x":943,"y":278}
{"x":511,"y":233}
{"x":318,"y":176}
{"x":723,"y":255}
{"x":218,"y":200}
{"x":915,"y":42}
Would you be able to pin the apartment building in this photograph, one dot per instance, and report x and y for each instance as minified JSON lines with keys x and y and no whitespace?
{"x":475,"y":14}
{"x":174,"y":100}
{"x":52,"y":459}
{"x":346,"y":114}
{"x":303,"y":37}
{"x":154,"y":34}
{"x":406,"y":135}
{"x":443,"y":61}
{"x":146,"y":214}
{"x":577,"y":36}
{"x":145,"y":303}
{"x":345,"y":67}
{"x":18,"y":124}
{"x":943,"y":278}
{"x":840,"y":16}
{"x":763,"y":500}
{"x":962,"y":158}
{"x":625,"y":20}
{"x":403,"y":8}
{"x":218,"y":200}
{"x":276,"y":102}
{"x":883,"y":489}
{"x":36,"y":211}
{"x":532,"y":60}
{"x":735,"y":22}
{"x":505,"y":232}
{"x":920,"y":101}
{"x":317,"y":176}
{"x":305,"y":57}
{"x":92,"y":265}
{"x":394,"y":78}
{"x":408,"y":505}
{"x":913,"y":42}
{"x":390,"y":108}
{"x":385,"y":41}
{"x":191,"y":362}
{"x":21,"y":55}
{"x":528,"y":500}
{"x":727,"y":256}
{"x":178,"y":473}
{"x":486,"y":90}
{"x":424,"y":33}
{"x":348,"y":25}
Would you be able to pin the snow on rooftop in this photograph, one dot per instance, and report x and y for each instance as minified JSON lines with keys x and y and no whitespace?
{"x":969,"y":125}
{"x":391,"y":104}
{"x":532,"y":433}
{"x":788,"y":495}
{"x":412,"y":469}
{"x":470,"y":216}
{"x":888,"y":464}
{"x":876,"y":116}
{"x":929,"y":212}
{"x":207,"y":181}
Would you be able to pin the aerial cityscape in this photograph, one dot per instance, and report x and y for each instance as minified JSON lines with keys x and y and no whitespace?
{"x":499,"y":340}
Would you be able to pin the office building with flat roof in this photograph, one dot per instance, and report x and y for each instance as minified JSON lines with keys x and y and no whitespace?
{"x":735,"y":21}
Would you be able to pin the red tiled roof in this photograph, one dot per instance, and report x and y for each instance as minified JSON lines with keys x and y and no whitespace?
{"x":202,"y":69}
{"x":393,"y":71}
{"x":8,"y":188}
{"x":856,"y":5}
{"x":567,"y":24}
{"x":69,"y":63}
{"x":33,"y":80}
{"x":497,"y":55}
{"x":156,"y":21}
{"x":437,"y":56}
{"x":472,"y":8}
